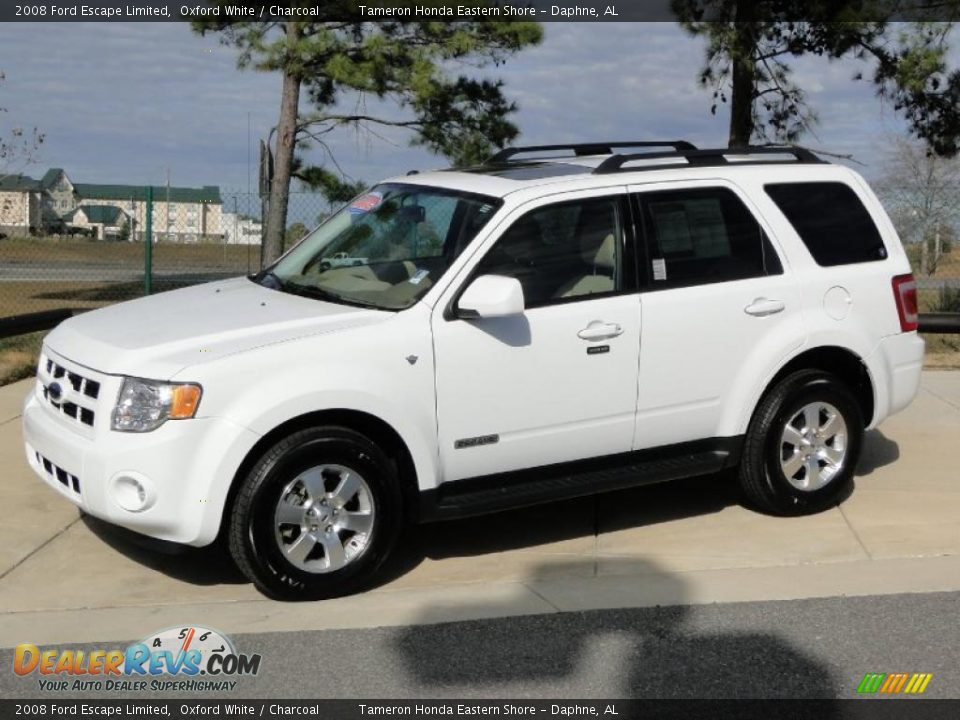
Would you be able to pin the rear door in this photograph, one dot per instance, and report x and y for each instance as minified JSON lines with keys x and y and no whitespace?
{"x":718,"y":300}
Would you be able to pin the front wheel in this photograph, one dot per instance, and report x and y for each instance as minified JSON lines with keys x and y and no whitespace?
{"x":317,"y":515}
{"x":802,"y":446}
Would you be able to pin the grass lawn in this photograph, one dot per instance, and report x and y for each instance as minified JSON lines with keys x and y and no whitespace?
{"x":79,"y":252}
{"x":18,"y":357}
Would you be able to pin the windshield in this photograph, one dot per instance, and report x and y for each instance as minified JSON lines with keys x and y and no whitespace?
{"x":385,"y":249}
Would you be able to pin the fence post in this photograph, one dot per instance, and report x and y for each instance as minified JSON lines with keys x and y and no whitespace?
{"x":148,"y":243}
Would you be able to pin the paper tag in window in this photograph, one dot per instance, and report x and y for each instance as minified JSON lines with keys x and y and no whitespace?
{"x":418,"y":276}
{"x":365,"y":203}
{"x":659,"y":269}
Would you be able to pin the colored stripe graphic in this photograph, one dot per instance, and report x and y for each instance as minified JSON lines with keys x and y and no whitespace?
{"x":871,"y":683}
{"x":919,"y":683}
{"x":894,"y":683}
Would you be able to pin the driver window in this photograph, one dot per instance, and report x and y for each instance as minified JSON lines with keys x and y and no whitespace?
{"x":561,"y":252}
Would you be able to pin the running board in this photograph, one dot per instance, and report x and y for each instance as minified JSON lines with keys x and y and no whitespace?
{"x":520,"y":488}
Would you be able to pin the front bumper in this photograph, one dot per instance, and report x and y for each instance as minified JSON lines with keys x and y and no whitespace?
{"x":186,"y":467}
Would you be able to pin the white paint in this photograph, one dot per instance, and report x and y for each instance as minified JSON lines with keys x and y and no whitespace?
{"x":687,"y":363}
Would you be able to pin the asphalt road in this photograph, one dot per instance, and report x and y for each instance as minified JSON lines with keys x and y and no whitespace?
{"x":103,"y":272}
{"x":818,"y":648}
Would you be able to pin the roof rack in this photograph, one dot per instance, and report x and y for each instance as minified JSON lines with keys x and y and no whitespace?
{"x":594,"y":148}
{"x":705,"y":158}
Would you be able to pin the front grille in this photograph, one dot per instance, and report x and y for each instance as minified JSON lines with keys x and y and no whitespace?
{"x":80,"y":384}
{"x":68,"y":480}
{"x":80,"y":403}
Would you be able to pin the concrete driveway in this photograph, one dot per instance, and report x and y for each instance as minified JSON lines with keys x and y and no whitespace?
{"x":66,"y":578}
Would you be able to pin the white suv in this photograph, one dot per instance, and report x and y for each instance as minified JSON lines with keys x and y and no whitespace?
{"x":459,"y":342}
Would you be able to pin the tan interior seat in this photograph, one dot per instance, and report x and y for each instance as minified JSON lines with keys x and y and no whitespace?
{"x":599,"y":252}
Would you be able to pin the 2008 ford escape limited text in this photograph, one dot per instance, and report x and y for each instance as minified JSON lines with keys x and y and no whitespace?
{"x":559,"y":321}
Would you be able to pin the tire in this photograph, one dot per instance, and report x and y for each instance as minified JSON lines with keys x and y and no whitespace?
{"x":796,"y":472}
{"x":333,"y":544}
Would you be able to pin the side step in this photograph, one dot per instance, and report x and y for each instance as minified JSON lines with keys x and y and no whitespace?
{"x":492,"y":493}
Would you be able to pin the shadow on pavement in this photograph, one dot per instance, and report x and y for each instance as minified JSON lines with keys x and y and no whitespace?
{"x":652,"y":652}
{"x":559,"y":521}
{"x":878,"y":451}
{"x":210,"y":565}
{"x":580,"y":517}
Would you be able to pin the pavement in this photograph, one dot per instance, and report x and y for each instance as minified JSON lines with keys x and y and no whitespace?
{"x":814,"y":648}
{"x":70,"y":579}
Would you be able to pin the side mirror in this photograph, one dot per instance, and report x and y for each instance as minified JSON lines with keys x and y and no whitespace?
{"x":491,"y":296}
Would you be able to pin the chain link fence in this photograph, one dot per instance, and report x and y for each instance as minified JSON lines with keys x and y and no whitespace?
{"x":938,"y":275}
{"x":94,"y":254}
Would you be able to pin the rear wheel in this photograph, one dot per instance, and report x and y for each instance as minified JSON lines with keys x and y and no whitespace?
{"x":802,"y":446}
{"x":317,"y":515}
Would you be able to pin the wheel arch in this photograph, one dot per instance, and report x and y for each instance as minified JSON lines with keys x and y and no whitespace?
{"x":365,"y":423}
{"x":842,"y":362}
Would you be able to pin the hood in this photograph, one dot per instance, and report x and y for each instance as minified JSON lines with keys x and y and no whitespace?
{"x":158,"y":336}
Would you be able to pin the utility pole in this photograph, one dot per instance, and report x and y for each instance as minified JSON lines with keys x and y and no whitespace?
{"x":148,"y":244}
{"x":168,"y":203}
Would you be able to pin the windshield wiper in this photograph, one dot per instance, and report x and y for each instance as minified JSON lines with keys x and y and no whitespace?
{"x":269,"y":279}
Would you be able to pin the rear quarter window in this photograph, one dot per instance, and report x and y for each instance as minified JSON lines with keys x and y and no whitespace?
{"x":830,"y":220}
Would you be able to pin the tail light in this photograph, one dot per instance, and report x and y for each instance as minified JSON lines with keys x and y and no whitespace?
{"x":905,"y":293}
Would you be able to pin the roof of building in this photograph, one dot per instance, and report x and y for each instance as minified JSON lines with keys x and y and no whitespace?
{"x":17,"y":183}
{"x":98,"y":214}
{"x":50,"y":177}
{"x":93,"y":191}
{"x":98,"y":191}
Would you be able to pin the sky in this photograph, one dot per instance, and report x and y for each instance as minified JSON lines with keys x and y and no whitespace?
{"x":130,"y":103}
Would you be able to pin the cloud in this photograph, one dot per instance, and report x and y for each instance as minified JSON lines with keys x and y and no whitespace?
{"x":124,"y":102}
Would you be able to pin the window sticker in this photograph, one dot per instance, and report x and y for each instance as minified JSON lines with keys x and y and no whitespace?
{"x":659,"y":269}
{"x":418,"y":276}
{"x":365,"y":203}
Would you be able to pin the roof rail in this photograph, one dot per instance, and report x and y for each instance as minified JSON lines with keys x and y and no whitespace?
{"x":594,"y":148}
{"x":704,"y":158}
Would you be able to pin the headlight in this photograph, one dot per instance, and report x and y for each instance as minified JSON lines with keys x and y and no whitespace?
{"x":145,"y":405}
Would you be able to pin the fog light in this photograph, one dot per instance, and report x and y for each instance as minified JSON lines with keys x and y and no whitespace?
{"x":132,"y":492}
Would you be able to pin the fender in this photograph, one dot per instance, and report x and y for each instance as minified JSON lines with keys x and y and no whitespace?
{"x":388,"y":374}
{"x":750,"y":386}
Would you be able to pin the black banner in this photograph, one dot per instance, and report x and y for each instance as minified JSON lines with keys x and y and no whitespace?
{"x":609,"y":709}
{"x":413,"y":10}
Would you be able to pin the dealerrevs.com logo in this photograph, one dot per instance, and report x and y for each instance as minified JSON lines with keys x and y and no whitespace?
{"x":197,"y":658}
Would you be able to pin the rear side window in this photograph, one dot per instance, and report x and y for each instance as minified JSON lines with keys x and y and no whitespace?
{"x":830,"y":219}
{"x":701,"y":236}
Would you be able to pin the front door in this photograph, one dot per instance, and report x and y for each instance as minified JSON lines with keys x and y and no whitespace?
{"x":558,"y":382}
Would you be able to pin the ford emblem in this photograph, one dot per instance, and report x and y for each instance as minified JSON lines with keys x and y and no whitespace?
{"x":55,"y":391}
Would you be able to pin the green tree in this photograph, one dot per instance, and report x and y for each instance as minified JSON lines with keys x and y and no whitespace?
{"x":750,"y":44}
{"x":295,"y":233}
{"x":407,"y":64}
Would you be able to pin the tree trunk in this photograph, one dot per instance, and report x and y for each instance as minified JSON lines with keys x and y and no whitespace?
{"x":937,"y":247}
{"x":743,"y":80}
{"x":283,"y":159}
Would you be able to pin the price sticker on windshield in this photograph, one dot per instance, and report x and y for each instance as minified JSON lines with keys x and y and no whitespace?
{"x":365,"y":203}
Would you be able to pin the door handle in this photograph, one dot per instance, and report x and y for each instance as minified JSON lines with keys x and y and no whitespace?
{"x":599,"y":330}
{"x":761,"y":307}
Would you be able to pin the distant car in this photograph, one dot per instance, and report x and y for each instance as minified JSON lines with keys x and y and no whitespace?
{"x":574,"y":323}
{"x":341,"y":259}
